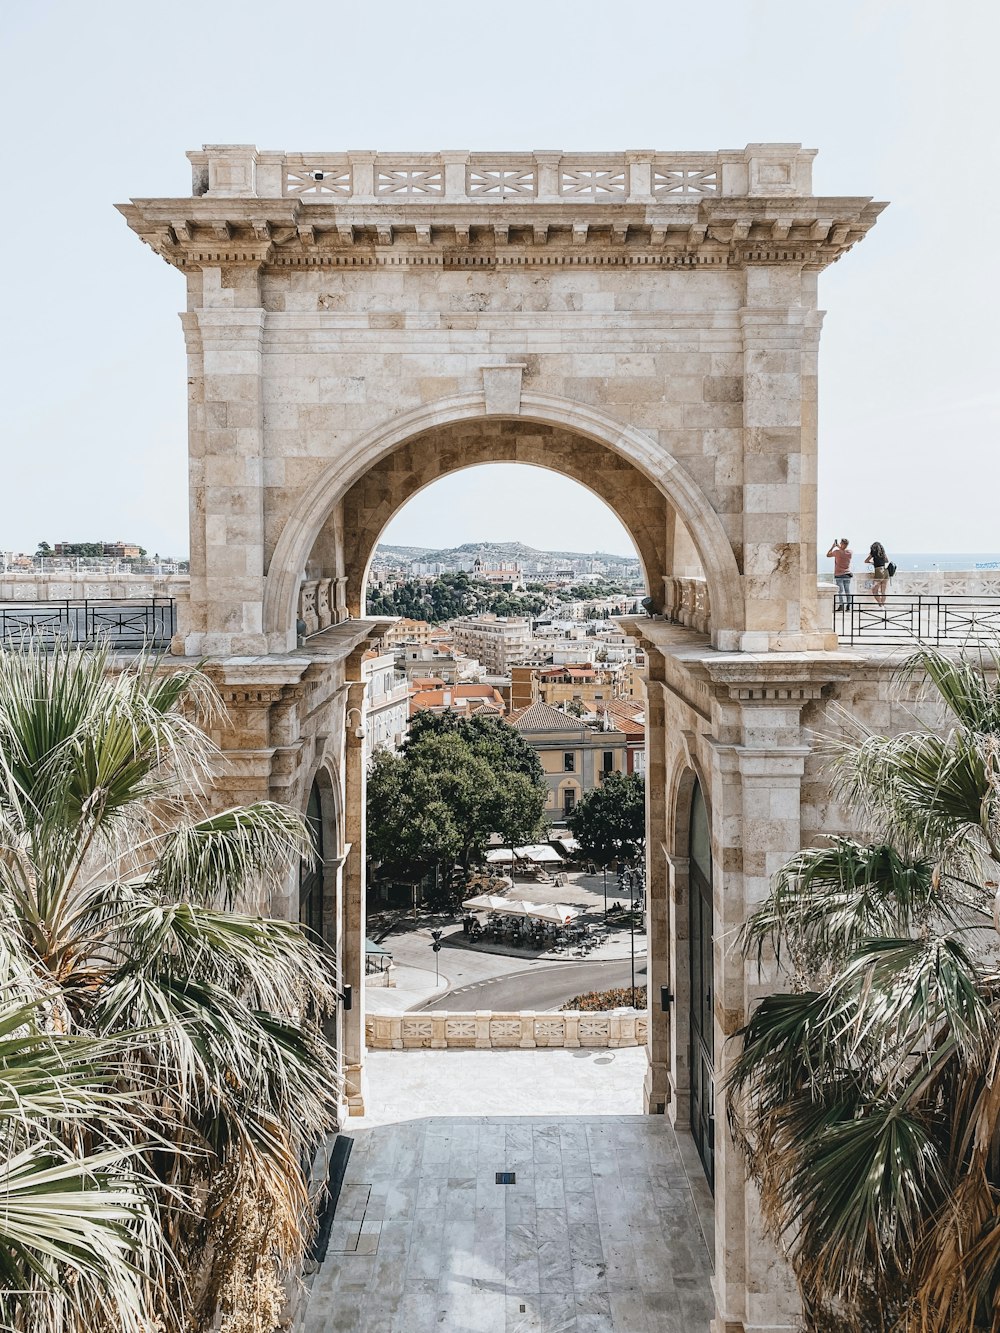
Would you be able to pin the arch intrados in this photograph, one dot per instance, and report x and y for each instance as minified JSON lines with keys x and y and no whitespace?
{"x":508,"y":462}
{"x":304,"y":524}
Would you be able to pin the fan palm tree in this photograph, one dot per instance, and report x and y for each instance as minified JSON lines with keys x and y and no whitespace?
{"x":868,"y":1099}
{"x":201,"y":1080}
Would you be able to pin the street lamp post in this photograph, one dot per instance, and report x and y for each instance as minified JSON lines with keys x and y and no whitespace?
{"x":630,"y":880}
{"x":605,"y":891}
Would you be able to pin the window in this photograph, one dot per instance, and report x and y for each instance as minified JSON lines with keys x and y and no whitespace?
{"x":569,"y":761}
{"x":569,"y":800}
{"x":608,"y":762}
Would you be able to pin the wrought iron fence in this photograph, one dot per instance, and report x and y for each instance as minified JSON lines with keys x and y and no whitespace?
{"x":123,"y":624}
{"x":904,"y":618}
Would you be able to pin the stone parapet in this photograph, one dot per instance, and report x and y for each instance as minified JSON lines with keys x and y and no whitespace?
{"x":91,"y":586}
{"x":485,"y":1030}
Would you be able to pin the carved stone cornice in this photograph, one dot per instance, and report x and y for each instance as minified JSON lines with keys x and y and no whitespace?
{"x":735,"y":232}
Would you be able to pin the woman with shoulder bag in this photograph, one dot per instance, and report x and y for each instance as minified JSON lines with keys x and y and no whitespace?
{"x":879,"y":562}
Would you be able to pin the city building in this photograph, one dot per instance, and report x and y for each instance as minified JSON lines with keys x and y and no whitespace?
{"x":505,"y":576}
{"x":496,"y":641}
{"x":579,"y":683}
{"x":575,"y":755}
{"x":405,"y":630}
{"x":387,"y":699}
{"x":435,"y":659}
{"x":463,"y":699}
{"x":629,"y":717}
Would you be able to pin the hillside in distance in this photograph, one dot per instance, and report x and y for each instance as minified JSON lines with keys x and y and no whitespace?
{"x":488,"y":552}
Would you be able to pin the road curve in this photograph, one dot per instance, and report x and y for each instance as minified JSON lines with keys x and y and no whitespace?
{"x":537,"y":988}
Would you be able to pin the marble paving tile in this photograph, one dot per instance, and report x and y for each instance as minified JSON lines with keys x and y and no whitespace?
{"x":522,"y":1257}
{"x":558,"y":1311}
{"x":593,"y":1312}
{"x":581,"y":1206}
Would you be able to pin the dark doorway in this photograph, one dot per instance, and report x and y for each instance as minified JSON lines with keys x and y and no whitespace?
{"x":702,"y":1019}
{"x":311,"y":876}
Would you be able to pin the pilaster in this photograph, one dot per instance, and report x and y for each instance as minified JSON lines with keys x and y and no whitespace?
{"x":227,"y":492}
{"x":353,"y":961}
{"x":758,"y":755}
{"x":779,"y":336}
{"x":657,"y":1090}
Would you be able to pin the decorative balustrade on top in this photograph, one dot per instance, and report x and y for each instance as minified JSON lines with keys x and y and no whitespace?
{"x":638,"y":176}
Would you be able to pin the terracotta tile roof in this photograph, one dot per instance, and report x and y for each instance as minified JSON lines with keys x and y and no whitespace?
{"x":462,"y":698}
{"x":627,"y":716}
{"x":543,"y":717}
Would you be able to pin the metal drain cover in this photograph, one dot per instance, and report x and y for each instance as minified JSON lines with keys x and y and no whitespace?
{"x":506,"y":1177}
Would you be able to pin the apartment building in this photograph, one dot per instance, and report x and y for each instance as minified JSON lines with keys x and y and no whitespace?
{"x":575,"y":683}
{"x":496,"y":641}
{"x":465,"y":700}
{"x":387,"y":703}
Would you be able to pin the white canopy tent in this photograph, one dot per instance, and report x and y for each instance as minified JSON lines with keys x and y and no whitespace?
{"x":499,"y":856}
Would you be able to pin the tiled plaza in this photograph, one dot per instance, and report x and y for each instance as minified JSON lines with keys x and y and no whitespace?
{"x":599,"y":1233}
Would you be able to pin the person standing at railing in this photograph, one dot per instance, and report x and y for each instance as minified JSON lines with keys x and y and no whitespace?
{"x":879,"y":561}
{"x":842,"y":556}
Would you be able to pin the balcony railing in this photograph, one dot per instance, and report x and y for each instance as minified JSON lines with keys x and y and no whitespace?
{"x":904,"y":618}
{"x":124,"y":625}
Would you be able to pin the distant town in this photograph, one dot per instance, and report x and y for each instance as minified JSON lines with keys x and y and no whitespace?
{"x":527,"y":635}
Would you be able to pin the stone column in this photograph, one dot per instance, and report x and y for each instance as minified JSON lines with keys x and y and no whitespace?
{"x":656,"y":1095}
{"x":226,"y":467}
{"x":353,"y":964}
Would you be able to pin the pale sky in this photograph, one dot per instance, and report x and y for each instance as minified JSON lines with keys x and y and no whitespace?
{"x":101,"y":100}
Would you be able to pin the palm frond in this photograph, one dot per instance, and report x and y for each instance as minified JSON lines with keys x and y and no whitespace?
{"x":227,"y":856}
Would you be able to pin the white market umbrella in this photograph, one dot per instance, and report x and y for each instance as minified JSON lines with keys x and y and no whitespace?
{"x":485,"y":902}
{"x":539,"y":853}
{"x":498,"y":856}
{"x":559,"y":913}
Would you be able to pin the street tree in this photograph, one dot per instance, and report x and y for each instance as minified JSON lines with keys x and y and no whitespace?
{"x":457,"y":781}
{"x":609,"y":822}
{"x":867,"y":1098}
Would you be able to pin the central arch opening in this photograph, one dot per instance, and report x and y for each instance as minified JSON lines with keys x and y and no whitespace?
{"x":526,"y":719}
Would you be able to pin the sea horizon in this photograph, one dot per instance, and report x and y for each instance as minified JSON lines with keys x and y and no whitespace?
{"x":927,"y":560}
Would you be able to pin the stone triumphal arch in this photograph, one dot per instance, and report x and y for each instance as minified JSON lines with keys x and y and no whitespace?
{"x":360,"y":324}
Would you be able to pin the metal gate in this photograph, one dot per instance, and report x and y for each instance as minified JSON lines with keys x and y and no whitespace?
{"x":702,"y":987}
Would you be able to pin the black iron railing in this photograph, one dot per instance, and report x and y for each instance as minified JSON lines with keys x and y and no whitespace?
{"x":119,"y":622}
{"x":904,"y":618}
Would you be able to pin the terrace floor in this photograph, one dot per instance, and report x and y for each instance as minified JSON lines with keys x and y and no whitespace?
{"x":602,"y":1231}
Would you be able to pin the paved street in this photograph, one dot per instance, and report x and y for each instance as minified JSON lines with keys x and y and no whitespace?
{"x":602,"y":1231}
{"x":538,"y":988}
{"x":476,"y":971}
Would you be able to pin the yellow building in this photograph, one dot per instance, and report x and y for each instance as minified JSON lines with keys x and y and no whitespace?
{"x":575,"y":756}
